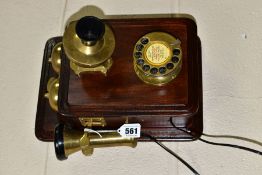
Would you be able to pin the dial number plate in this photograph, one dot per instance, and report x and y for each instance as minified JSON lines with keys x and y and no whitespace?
{"x":157,"y":53}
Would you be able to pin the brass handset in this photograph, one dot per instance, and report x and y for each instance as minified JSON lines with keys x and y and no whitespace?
{"x":68,"y":141}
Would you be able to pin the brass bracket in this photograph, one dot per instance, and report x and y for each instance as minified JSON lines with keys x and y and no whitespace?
{"x":103,"y":68}
{"x":92,"y":121}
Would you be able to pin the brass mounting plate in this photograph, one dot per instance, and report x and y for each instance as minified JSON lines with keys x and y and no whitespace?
{"x":92,"y":121}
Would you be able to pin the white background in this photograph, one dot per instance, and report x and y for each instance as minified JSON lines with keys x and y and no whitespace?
{"x":231,"y":35}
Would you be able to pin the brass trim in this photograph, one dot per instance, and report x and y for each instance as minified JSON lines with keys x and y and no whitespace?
{"x":92,"y":121}
{"x":103,"y":68}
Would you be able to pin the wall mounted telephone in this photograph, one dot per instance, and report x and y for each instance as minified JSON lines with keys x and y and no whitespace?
{"x":105,"y":73}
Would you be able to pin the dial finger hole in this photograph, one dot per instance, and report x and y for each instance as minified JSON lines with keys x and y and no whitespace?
{"x":175,"y":59}
{"x":170,"y":66}
{"x":176,"y":51}
{"x":138,"y":55}
{"x":146,"y":68}
{"x":139,"y":47}
{"x":153,"y":70}
{"x":144,"y":40}
{"x":140,"y":62}
{"x":162,"y":70}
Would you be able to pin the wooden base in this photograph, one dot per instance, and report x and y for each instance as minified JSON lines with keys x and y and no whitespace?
{"x":122,"y":94}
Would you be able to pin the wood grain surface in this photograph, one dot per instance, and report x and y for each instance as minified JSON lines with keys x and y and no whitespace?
{"x":121,"y":94}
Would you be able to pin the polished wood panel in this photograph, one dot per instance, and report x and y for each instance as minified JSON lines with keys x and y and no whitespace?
{"x":121,"y":89}
{"x":121,"y":94}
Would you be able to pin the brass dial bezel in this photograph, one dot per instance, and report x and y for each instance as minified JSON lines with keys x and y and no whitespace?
{"x":157,"y":74}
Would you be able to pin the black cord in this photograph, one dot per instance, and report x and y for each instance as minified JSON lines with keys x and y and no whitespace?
{"x":219,"y":144}
{"x":171,"y":152}
{"x":234,"y":137}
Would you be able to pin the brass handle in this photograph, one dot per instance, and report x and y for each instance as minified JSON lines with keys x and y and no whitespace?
{"x":68,"y":141}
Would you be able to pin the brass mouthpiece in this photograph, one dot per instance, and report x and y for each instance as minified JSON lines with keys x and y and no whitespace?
{"x":89,"y":44}
{"x":68,"y":141}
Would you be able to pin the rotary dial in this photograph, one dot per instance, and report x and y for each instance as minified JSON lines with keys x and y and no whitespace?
{"x":157,"y":58}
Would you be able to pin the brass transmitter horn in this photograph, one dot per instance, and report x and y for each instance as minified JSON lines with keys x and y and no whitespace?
{"x":68,"y":141}
{"x":89,"y":44}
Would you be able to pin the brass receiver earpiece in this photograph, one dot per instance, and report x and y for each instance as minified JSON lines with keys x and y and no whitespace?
{"x":68,"y":141}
